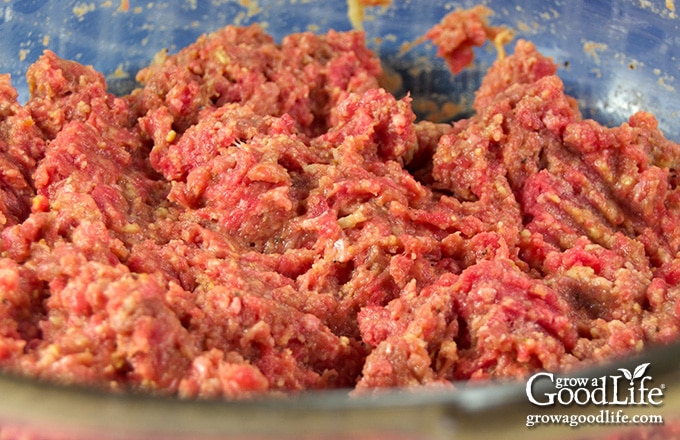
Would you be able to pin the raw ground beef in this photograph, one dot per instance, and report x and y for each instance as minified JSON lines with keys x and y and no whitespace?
{"x":262,"y":217}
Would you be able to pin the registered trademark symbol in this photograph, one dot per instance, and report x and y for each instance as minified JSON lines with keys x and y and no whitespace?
{"x":663,"y":386}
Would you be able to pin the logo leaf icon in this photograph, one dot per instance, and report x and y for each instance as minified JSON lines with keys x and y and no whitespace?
{"x":626,"y":373}
{"x":639,"y":371}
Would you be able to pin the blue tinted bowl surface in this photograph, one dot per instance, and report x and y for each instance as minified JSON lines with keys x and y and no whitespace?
{"x":617,"y":57}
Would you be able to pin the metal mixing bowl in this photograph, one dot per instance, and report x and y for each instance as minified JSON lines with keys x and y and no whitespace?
{"x":617,"y":57}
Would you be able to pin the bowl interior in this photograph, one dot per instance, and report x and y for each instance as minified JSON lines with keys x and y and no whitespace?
{"x":617,"y":57}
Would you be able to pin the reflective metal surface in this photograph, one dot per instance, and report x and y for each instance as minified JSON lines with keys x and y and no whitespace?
{"x":497,"y":411}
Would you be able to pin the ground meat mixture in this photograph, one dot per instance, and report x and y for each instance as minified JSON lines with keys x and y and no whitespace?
{"x":262,"y":217}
